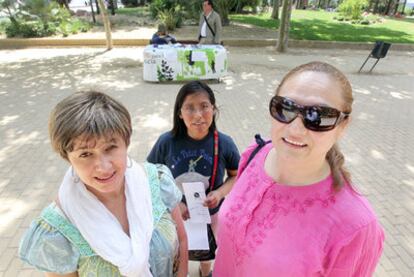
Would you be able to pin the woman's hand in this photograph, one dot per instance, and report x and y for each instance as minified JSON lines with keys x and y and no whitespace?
{"x":213,"y":199}
{"x":184,"y":211}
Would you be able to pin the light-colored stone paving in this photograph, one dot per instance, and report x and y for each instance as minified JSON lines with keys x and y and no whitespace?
{"x":379,"y":144}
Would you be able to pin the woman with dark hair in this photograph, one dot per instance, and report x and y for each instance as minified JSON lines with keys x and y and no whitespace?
{"x":293,"y":210}
{"x":188,"y":150}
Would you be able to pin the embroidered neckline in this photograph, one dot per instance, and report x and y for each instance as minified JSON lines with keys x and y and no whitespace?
{"x":262,"y":156}
{"x":67,"y":229}
{"x":158,"y":206}
{"x":258,"y":202}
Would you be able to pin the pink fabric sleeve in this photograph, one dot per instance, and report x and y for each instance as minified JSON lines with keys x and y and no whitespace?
{"x":358,"y":254}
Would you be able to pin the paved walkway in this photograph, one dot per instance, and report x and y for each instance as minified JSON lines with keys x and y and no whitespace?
{"x":379,"y":144}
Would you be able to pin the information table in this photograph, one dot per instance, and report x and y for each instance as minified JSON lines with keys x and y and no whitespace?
{"x":179,"y":62}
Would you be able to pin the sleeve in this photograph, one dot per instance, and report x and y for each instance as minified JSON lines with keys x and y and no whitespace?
{"x":153,"y":39}
{"x":172,"y":39}
{"x":358,"y":254}
{"x":170,"y":194}
{"x":48,"y":250}
{"x":200,"y":24}
{"x":157,"y":154}
{"x":218,"y":30}
{"x":156,"y":39}
{"x":232,"y":155}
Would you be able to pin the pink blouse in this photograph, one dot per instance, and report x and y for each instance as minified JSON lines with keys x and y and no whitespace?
{"x":270,"y":229}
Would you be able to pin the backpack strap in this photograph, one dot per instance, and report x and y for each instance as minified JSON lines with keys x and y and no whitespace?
{"x":260,"y":144}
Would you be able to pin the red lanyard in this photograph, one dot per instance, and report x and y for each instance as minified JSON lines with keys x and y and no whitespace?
{"x":213,"y":175}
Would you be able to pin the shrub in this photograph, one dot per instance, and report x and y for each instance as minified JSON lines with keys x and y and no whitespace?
{"x":3,"y":25}
{"x":160,"y":5}
{"x":39,"y":18}
{"x":189,"y":9}
{"x":27,"y":29}
{"x":352,"y":8}
{"x":171,"y":18}
{"x":130,"y":3}
{"x":364,"y":22}
{"x":12,"y":30}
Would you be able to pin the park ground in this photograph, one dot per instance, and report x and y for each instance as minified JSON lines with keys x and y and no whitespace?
{"x":378,"y":145}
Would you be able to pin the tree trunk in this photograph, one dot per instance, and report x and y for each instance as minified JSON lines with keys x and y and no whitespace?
{"x":98,"y":10}
{"x":223,"y":7}
{"x":282,"y":42}
{"x":396,"y":6}
{"x":388,"y":10}
{"x":275,"y":11}
{"x":111,"y":6}
{"x":107,"y":25}
{"x":12,"y":18}
{"x":376,"y":6}
{"x":403,"y":8}
{"x":93,"y":13}
{"x":238,"y":7}
{"x":370,"y":3}
{"x":63,"y":3}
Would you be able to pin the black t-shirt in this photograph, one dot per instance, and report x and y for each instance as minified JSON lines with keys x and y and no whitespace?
{"x":186,"y":156}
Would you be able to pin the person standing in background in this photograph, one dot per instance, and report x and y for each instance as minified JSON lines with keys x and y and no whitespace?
{"x":210,"y":25}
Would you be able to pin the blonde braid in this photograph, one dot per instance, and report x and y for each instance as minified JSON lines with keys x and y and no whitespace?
{"x":340,"y":174}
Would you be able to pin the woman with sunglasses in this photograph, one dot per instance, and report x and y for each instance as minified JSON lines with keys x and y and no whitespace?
{"x":293,"y":210}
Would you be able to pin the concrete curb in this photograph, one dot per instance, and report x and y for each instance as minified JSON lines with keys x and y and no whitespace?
{"x":69,"y":42}
{"x":66,"y":42}
{"x":316,"y":44}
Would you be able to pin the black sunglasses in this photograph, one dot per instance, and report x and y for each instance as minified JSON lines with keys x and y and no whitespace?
{"x":315,"y":118}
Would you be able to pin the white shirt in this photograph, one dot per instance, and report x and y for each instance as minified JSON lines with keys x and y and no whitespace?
{"x":203,"y":32}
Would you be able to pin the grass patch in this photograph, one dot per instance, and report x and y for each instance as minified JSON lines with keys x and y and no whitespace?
{"x":3,"y":24}
{"x":137,"y":11}
{"x":319,"y":25}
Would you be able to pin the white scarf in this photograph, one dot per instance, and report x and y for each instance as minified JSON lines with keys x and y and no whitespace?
{"x":103,"y":231}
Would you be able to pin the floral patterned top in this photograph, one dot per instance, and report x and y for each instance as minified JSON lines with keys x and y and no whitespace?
{"x":271,"y":229}
{"x":53,"y":244}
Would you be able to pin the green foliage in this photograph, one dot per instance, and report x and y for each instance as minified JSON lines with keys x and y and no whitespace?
{"x":192,"y":9}
{"x":246,"y":5}
{"x":161,"y":5}
{"x":171,"y":18}
{"x":130,"y":3}
{"x":319,"y":25}
{"x":188,"y":8}
{"x":137,"y":11}
{"x":2,"y":27}
{"x":352,"y":8}
{"x":28,"y":29}
{"x":223,"y":7}
{"x":39,"y":18}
